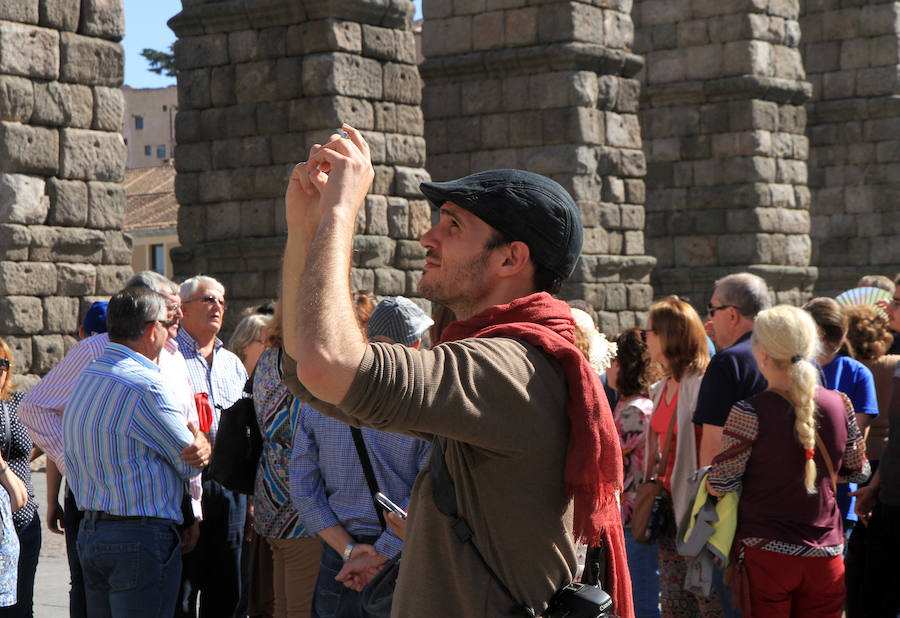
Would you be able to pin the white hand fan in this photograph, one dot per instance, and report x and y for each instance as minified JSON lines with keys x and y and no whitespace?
{"x":864,"y":296}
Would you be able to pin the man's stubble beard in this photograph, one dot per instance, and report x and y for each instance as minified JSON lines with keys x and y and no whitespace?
{"x":468,"y":282}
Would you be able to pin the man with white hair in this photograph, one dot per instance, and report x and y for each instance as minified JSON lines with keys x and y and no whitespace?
{"x":213,"y":569}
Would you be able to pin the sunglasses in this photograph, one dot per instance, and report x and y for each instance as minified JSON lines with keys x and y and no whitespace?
{"x":644,"y":332}
{"x":165,"y":323}
{"x":711,"y":310}
{"x":4,"y":363}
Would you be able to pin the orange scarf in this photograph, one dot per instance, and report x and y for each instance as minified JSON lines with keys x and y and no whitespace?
{"x":593,"y":472}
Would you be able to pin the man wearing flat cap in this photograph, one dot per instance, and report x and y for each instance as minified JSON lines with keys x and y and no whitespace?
{"x":520,"y":428}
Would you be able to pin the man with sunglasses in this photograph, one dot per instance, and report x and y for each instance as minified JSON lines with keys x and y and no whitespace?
{"x":213,"y":569}
{"x":124,"y":438}
{"x":732,"y":374}
{"x":42,"y":412}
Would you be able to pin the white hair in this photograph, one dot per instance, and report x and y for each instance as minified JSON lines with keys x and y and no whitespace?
{"x":189,"y":288}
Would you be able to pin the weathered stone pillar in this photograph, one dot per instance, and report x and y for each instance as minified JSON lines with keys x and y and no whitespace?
{"x":62,"y":161}
{"x":852,"y":56}
{"x":723,"y":126}
{"x":258,"y":84}
{"x":549,"y":88}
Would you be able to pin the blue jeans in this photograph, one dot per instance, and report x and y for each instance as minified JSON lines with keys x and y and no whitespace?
{"x":332,"y":599}
{"x":131,"y":568}
{"x":213,"y":569}
{"x":642,"y":564}
{"x":724,"y":594}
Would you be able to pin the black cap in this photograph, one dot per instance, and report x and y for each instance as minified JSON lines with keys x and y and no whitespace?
{"x":522,"y":206}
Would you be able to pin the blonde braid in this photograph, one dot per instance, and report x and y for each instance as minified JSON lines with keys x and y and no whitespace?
{"x":802,"y":394}
{"x":789,"y":337}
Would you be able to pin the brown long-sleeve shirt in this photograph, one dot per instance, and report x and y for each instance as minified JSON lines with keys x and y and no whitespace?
{"x":499,"y":406}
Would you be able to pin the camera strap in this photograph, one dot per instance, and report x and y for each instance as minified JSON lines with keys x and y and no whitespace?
{"x":444,"y":493}
{"x":371,"y":481}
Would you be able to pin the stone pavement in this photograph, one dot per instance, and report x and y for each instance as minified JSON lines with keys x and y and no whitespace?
{"x":51,"y":586}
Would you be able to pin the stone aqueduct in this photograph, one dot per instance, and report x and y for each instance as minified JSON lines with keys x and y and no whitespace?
{"x":698,"y":137}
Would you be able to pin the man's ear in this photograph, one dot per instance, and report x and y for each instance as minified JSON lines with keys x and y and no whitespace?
{"x":516,"y":257}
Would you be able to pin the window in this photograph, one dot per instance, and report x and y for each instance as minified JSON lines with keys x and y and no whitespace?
{"x":161,"y":152}
{"x":148,"y":150}
{"x":158,"y":258}
{"x":138,"y":122}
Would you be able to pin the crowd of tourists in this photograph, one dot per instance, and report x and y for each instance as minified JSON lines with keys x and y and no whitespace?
{"x":498,"y":457}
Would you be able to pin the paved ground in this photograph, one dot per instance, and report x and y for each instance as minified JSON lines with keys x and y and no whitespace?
{"x":51,"y":586}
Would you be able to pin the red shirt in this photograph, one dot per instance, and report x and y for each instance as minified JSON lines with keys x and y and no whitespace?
{"x":659,"y":423}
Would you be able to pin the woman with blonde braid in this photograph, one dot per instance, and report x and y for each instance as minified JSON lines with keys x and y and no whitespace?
{"x":782,"y":449}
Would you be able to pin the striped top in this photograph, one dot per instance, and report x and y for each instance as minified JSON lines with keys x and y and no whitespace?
{"x":123,"y":438}
{"x":223,"y":380}
{"x":273,"y":514}
{"x":42,"y":407}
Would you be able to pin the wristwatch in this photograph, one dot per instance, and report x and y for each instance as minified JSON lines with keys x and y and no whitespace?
{"x":348,"y":550}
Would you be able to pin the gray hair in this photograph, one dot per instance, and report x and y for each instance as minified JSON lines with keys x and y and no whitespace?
{"x":189,"y":288}
{"x":247,"y":331}
{"x":747,"y":292}
{"x":877,"y":281}
{"x":153,"y":280}
{"x":130,"y":310}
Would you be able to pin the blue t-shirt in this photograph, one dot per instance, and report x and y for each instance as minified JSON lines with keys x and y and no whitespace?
{"x":732,"y":375}
{"x":855,"y":380}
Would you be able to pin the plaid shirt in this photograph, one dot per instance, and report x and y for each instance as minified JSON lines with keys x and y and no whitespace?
{"x":328,"y":486}
{"x":223,"y":381}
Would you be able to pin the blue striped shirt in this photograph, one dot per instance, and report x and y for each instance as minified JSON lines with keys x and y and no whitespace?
{"x":123,"y":438}
{"x":223,"y":380}
{"x":328,"y":486}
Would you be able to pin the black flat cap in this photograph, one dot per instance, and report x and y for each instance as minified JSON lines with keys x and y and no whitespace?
{"x":522,"y":206}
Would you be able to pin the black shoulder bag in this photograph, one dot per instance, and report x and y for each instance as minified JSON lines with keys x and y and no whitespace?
{"x":377,"y":597}
{"x":572,"y":601}
{"x":238,"y":446}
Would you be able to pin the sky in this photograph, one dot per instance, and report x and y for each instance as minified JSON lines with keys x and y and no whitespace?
{"x":145,"y":26}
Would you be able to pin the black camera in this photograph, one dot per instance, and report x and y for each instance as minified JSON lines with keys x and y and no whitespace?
{"x":580,"y":601}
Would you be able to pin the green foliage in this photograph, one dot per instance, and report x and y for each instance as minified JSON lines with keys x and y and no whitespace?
{"x":161,"y":62}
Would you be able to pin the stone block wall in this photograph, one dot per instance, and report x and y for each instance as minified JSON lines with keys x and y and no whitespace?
{"x":724,"y":132}
{"x":257,"y":86}
{"x":852,"y":55}
{"x":62,"y":162}
{"x":549,"y":87}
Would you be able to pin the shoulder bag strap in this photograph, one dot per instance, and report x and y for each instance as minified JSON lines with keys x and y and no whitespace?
{"x":444,"y":494}
{"x":828,"y":463}
{"x":368,"y":471}
{"x":7,"y":434}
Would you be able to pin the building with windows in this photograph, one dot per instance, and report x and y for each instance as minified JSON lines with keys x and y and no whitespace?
{"x":149,"y":127}
{"x":151,"y":217}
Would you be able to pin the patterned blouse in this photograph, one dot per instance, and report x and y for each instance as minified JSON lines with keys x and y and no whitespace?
{"x":18,"y":456}
{"x":632,"y":418}
{"x":273,"y":514}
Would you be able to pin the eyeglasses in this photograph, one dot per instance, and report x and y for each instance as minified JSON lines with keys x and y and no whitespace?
{"x":711,"y":311}
{"x":208,"y":300}
{"x":173,"y":308}
{"x":4,"y":363}
{"x":165,"y":323}
{"x":895,"y":302}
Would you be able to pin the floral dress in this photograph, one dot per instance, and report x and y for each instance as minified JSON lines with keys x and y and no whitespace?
{"x":9,"y":552}
{"x":632,"y":418}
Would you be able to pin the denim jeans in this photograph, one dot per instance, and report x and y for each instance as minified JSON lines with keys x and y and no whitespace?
{"x":642,"y":564}
{"x":213,"y":570}
{"x":131,"y":568}
{"x":333,"y":599}
{"x":72,"y":521}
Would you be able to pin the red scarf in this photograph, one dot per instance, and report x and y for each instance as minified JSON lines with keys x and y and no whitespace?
{"x":593,"y":473}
